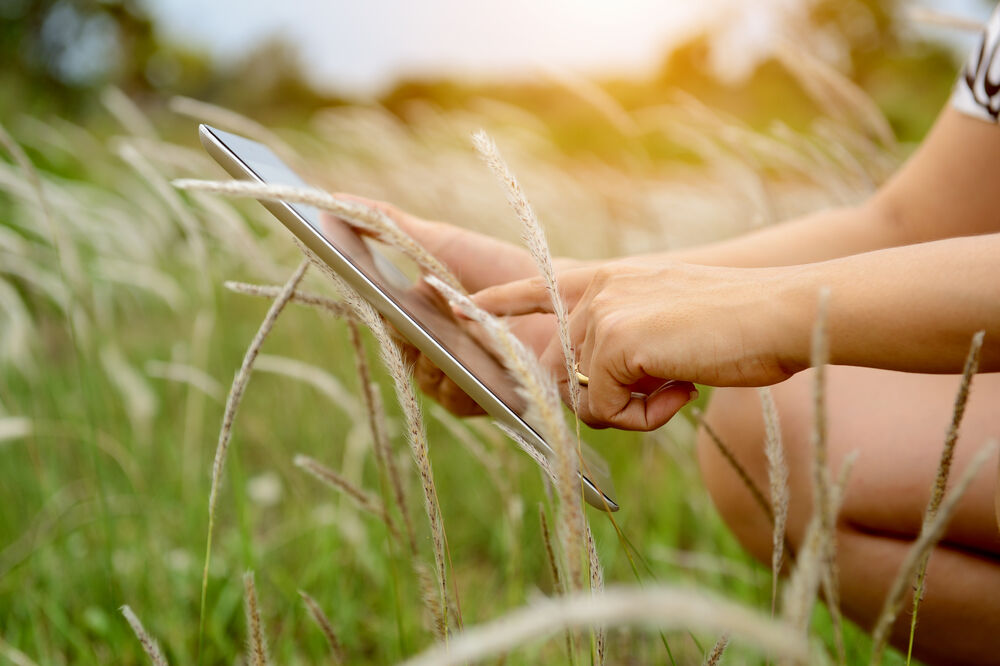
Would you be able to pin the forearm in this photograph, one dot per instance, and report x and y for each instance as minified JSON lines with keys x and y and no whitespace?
{"x":912,"y":308}
{"x":820,"y":236}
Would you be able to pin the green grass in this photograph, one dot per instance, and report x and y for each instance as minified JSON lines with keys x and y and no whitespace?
{"x":96,"y":511}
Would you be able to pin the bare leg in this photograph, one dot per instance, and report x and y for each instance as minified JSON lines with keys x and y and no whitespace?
{"x":897,"y":423}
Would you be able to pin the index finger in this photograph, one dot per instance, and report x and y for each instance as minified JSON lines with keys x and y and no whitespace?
{"x":532,"y":295}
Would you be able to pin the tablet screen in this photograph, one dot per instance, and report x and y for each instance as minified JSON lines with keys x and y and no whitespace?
{"x":418,"y":300}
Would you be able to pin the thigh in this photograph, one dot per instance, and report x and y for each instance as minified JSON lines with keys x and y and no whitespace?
{"x":897,"y":423}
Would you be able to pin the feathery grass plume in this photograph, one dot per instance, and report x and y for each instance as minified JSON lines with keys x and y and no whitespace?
{"x":375,"y":413}
{"x":127,"y":113}
{"x":803,"y":584}
{"x":13,"y":655}
{"x":236,"y":122}
{"x":149,"y":644}
{"x":777,"y":474}
{"x":323,"y":622}
{"x":544,"y":407}
{"x":239,"y":386}
{"x":596,"y":587}
{"x":256,"y":645}
{"x":392,"y":357}
{"x":318,"y":378}
{"x":137,"y":396}
{"x":186,"y":374}
{"x":944,"y":467}
{"x":363,"y":499}
{"x":159,"y":184}
{"x":66,"y":250}
{"x":826,"y":507}
{"x":655,"y":606}
{"x":534,"y":239}
{"x":929,"y":16}
{"x":597,"y":97}
{"x":930,"y":533}
{"x":369,"y":218}
{"x":741,"y":472}
{"x":715,"y":656}
{"x":540,"y":459}
{"x":836,"y":94}
{"x":329,"y":305}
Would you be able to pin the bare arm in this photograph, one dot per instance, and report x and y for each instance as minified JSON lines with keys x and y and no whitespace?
{"x":946,"y":189}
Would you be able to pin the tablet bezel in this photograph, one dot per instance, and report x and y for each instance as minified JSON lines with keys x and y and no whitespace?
{"x":597,"y":491}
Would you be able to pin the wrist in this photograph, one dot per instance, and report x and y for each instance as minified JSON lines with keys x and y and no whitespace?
{"x":795,"y":306}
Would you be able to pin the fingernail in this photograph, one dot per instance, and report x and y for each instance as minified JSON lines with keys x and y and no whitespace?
{"x":693,"y":395}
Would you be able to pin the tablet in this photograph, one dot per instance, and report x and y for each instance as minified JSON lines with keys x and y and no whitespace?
{"x":423,"y":319}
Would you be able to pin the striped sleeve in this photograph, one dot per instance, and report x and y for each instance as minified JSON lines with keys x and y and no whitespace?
{"x":977,"y":91}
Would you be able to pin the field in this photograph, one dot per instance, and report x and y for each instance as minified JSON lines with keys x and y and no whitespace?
{"x":119,"y":341}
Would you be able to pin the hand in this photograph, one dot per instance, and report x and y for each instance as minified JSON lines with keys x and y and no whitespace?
{"x":637,"y":324}
{"x":478,"y":261}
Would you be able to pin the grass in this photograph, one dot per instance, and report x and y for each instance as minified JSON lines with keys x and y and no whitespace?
{"x":104,"y":499}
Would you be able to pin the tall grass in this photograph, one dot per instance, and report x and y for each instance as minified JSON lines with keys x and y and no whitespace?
{"x":124,"y":248}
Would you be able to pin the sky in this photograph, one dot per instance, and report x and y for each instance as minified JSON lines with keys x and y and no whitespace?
{"x":360,"y":47}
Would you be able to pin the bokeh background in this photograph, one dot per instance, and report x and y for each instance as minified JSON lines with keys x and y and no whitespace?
{"x":634,"y":126}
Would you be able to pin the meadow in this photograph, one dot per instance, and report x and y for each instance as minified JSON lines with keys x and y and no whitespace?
{"x":121,"y":331}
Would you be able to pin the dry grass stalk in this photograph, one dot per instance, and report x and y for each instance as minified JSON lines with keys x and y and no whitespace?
{"x":323,"y":622}
{"x":741,"y":472}
{"x":800,"y":593}
{"x":948,"y":450}
{"x":226,"y":119}
{"x":186,"y":374}
{"x":329,"y":305}
{"x":232,"y":405}
{"x":532,"y":452}
{"x":557,"y":582}
{"x":550,"y":554}
{"x":534,"y":239}
{"x":930,"y":533}
{"x":777,"y":474}
{"x":597,"y":97}
{"x":375,"y":414}
{"x":944,"y":465}
{"x":368,"y":218}
{"x":544,"y":407}
{"x":127,"y":113}
{"x":596,"y":587}
{"x":319,"y":379}
{"x":825,"y":505}
{"x":363,"y":499}
{"x":715,"y":656}
{"x":256,"y":645}
{"x":149,"y":644}
{"x":835,"y":93}
{"x":661,"y":607}
{"x":392,"y":357}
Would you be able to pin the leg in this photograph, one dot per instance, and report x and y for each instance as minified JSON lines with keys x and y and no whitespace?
{"x":897,"y":423}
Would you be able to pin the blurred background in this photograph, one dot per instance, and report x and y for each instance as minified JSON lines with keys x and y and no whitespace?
{"x":633,"y":126}
{"x":294,"y":57}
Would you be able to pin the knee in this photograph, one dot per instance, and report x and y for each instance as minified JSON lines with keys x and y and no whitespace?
{"x":734,"y":415}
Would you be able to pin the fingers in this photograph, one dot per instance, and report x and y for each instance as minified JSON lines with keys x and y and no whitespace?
{"x":438,"y":386}
{"x":614,"y":402}
{"x":531,"y":295}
